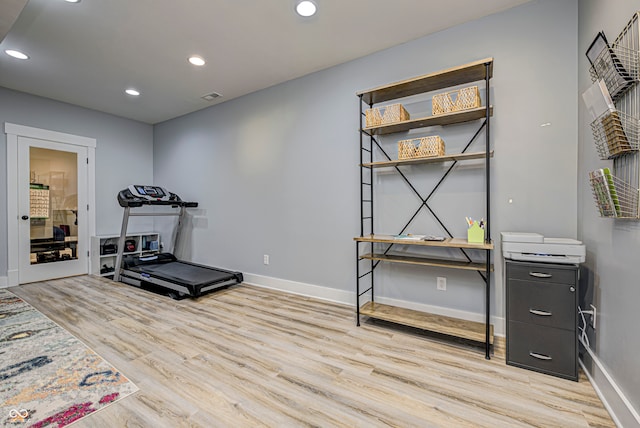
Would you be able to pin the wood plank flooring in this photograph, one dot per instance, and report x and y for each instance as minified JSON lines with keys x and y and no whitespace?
{"x":252,"y":357}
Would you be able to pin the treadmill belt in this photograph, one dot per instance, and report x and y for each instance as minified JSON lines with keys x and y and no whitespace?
{"x":183,"y":273}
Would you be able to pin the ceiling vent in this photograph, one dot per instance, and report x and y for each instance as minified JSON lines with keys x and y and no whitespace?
{"x":212,"y":96}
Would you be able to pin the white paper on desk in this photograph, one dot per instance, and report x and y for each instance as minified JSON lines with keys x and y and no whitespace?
{"x":598,"y":99}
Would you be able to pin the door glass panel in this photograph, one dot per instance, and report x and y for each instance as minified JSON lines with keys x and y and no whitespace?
{"x":53,"y":205}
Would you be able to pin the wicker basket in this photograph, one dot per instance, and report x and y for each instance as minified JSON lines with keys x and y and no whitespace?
{"x":383,"y":115}
{"x":421,"y":147}
{"x":461,"y":99}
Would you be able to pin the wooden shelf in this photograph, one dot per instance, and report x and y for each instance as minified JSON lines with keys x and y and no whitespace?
{"x":454,"y":76}
{"x":423,"y":261}
{"x":424,"y":122}
{"x":433,"y":159}
{"x":438,"y":323}
{"x":447,"y":243}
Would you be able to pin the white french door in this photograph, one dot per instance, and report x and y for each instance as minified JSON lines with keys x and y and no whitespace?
{"x":50,"y":188}
{"x":52,"y":200}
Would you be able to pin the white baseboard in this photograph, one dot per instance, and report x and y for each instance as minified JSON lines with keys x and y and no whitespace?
{"x":617,"y":404}
{"x":301,"y":288}
{"x":12,"y":277}
{"x":349,"y":298}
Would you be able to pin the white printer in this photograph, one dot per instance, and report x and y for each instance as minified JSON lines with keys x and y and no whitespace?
{"x":533,"y":247}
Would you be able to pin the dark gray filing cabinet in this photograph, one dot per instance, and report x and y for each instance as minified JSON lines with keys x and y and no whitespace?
{"x":542,"y":306}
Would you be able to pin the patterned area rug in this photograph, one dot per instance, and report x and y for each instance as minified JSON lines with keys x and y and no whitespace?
{"x":48,"y":378}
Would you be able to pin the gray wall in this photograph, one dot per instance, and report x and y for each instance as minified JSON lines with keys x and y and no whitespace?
{"x":612,"y":245}
{"x":276,"y":173}
{"x":124,"y":153}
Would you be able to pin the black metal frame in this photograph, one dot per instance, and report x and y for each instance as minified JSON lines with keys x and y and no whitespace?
{"x":367,"y":195}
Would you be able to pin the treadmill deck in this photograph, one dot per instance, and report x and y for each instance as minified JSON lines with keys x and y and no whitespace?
{"x":185,"y":277}
{"x":185,"y":273}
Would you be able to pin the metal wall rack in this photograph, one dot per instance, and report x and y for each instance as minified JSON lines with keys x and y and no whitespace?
{"x":617,"y":134}
{"x":379,"y":246}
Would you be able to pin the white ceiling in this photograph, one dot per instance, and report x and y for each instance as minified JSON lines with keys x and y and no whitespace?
{"x":88,"y":53}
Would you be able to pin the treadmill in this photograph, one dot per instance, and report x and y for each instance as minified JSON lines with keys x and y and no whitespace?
{"x":178,"y":278}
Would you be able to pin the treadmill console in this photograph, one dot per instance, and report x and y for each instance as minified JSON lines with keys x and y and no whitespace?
{"x":137,"y":195}
{"x":151,"y":193}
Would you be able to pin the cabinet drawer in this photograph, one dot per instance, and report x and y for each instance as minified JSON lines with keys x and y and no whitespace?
{"x":547,"y":304}
{"x":545,"y":349}
{"x":542,"y":273}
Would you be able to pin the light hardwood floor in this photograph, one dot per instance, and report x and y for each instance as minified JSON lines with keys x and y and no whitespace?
{"x":252,"y":357}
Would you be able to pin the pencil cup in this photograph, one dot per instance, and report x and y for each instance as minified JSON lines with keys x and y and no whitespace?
{"x":475,"y":234}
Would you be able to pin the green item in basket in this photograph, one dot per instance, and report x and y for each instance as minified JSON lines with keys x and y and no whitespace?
{"x":612,"y":190}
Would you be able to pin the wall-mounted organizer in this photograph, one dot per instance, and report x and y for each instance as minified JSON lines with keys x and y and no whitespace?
{"x":616,"y":129}
{"x":372,"y":249}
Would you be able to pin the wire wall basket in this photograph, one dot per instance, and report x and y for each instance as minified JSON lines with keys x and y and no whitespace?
{"x":615,"y":133}
{"x":618,"y":67}
{"x":613,"y":196}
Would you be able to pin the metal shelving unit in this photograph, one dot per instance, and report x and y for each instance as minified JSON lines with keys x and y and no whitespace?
{"x":378,"y":247}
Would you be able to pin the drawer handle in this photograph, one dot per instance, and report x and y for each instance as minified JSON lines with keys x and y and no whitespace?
{"x":540,"y":356}
{"x":541,"y":313}
{"x":540,"y":275}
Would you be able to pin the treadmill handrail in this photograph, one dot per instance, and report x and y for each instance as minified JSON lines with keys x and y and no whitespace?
{"x":128,"y":200}
{"x":140,"y":202}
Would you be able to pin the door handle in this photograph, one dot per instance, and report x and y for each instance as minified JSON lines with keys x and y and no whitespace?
{"x":539,"y":312}
{"x":25,"y":217}
{"x":540,"y":356}
{"x":540,"y":275}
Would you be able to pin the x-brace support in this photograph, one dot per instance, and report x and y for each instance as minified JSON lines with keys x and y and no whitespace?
{"x":424,"y":201}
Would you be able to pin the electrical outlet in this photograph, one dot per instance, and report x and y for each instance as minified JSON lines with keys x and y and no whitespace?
{"x":593,"y":317}
{"x":441,"y":283}
{"x":266,"y":259}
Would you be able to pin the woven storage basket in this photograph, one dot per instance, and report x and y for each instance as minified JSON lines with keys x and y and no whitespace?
{"x":421,"y":147}
{"x":461,"y":99}
{"x":388,"y":114}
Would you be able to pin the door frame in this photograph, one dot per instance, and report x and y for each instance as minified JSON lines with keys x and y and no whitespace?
{"x":14,"y":131}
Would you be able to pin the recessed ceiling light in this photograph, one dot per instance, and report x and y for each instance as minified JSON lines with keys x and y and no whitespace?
{"x":132,"y":92}
{"x":72,"y":1}
{"x":197,"y":60}
{"x":16,"y":54}
{"x":306,"y":8}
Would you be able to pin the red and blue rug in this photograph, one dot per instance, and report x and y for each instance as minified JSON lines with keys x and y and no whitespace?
{"x":48,"y":378}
